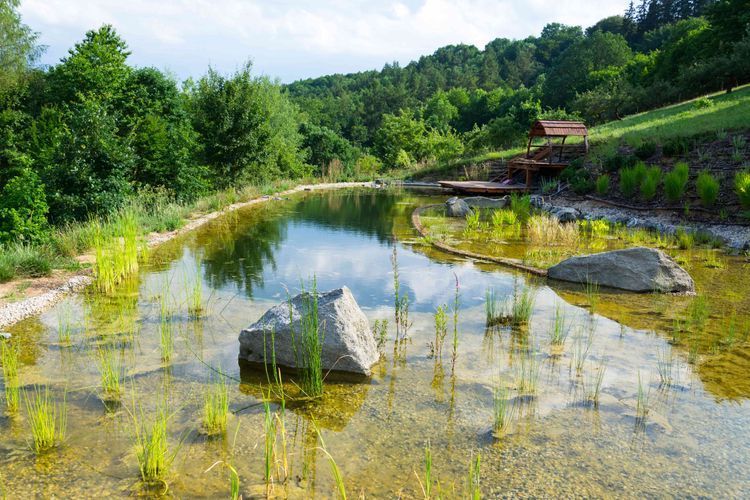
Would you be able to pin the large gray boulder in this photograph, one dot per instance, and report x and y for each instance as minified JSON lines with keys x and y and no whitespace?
{"x":456,"y":207}
{"x":637,"y":269}
{"x":348,"y":342}
{"x":485,"y":202}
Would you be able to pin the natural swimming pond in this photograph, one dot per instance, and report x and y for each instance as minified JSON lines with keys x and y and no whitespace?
{"x":643,"y":395}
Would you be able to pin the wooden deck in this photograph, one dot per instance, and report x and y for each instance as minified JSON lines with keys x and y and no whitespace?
{"x":483,"y":187}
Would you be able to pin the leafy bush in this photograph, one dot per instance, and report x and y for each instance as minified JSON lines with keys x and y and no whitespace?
{"x":582,"y":185}
{"x":742,"y":188}
{"x":650,"y":182}
{"x":676,"y":181}
{"x":602,"y":184}
{"x":703,"y":103}
{"x":368,"y":166}
{"x":708,"y":188}
{"x":645,"y":150}
{"x":23,"y":209}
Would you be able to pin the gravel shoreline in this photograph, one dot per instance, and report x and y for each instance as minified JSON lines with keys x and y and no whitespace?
{"x":17,"y":311}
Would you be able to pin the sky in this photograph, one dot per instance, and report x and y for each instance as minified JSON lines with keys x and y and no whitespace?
{"x":294,"y":39}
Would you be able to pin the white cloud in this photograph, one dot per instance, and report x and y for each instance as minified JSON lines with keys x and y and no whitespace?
{"x":294,"y":39}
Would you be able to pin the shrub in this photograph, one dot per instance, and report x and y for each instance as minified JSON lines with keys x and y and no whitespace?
{"x":676,"y":181}
{"x":24,"y":261}
{"x":742,"y":188}
{"x":368,"y":166}
{"x":703,"y":103}
{"x":582,"y":185}
{"x":650,"y":182}
{"x":631,"y":178}
{"x":675,"y":146}
{"x":23,"y":209}
{"x":708,"y":188}
{"x":617,"y":161}
{"x":602,"y":184}
{"x":645,"y":150}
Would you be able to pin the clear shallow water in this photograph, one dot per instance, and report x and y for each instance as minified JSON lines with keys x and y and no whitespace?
{"x":694,"y":441}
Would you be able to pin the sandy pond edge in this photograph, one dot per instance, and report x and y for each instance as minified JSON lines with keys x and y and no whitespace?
{"x":17,"y":311}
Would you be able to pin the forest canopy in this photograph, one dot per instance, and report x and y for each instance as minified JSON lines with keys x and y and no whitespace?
{"x":82,"y":137}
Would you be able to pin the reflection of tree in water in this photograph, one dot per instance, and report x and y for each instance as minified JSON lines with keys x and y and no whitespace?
{"x":369,"y":213}
{"x":238,"y":253}
{"x":241,"y":260}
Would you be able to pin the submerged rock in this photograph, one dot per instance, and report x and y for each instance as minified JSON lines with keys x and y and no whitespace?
{"x":636,"y":269}
{"x":348,"y":342}
{"x":485,"y":202}
{"x":456,"y":207}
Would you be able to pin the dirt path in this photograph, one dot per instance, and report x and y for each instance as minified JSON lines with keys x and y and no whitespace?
{"x":26,"y":297}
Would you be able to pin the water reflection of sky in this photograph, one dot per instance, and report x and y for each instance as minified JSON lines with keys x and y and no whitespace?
{"x":363,"y":263}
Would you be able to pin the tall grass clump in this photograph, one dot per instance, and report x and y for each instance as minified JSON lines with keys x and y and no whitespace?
{"x":707,"y":187}
{"x":472,"y":220}
{"x":456,"y":304}
{"x":502,"y":411}
{"x":650,"y":182}
{"x":308,"y":347}
{"x":602,"y":184}
{"x":492,"y":308}
{"x":642,"y":401}
{"x":631,"y":178}
{"x":593,"y":383}
{"x":427,"y":486}
{"x":504,"y":217}
{"x":664,"y":364}
{"x":544,"y":230}
{"x":166,"y":330}
{"x":269,"y":448}
{"x":110,"y":371}
{"x":521,"y":206}
{"x":152,"y":448}
{"x":675,"y":182}
{"x":592,"y":294}
{"x":216,"y":406}
{"x":9,"y":358}
{"x":64,"y":323}
{"x":560,"y":328}
{"x":194,"y":294}
{"x":742,"y":188}
{"x":116,"y":247}
{"x":47,"y":419}
{"x":21,"y":260}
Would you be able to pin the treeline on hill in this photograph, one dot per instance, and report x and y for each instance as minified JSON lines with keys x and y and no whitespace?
{"x":82,"y":138}
{"x":462,"y":98}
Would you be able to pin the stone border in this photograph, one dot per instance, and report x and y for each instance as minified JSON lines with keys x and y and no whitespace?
{"x":16,"y":311}
{"x":505,"y":261}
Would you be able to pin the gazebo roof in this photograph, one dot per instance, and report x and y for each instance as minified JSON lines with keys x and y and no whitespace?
{"x":557,"y":128}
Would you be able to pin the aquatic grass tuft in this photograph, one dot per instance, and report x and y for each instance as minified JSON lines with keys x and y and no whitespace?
{"x":9,"y":358}
{"x":427,"y":486}
{"x":194,"y":295}
{"x":527,"y":374}
{"x":642,"y":402}
{"x":592,"y":295}
{"x":441,"y":330}
{"x":269,"y":449}
{"x":560,"y":329}
{"x":116,"y":248}
{"x":216,"y":406}
{"x":308,"y":347}
{"x":492,"y":308}
{"x":64,"y":323}
{"x":664,"y":364}
{"x":110,"y":371}
{"x":152,"y":447}
{"x":502,"y":411}
{"x":380,"y":331}
{"x":401,"y":302}
{"x":473,"y":483}
{"x":335,"y":471}
{"x":47,"y":419}
{"x":593,"y":383}
{"x":581,"y":348}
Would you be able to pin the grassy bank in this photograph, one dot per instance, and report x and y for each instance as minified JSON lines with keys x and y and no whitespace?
{"x":153,"y":212}
{"x":691,"y":120}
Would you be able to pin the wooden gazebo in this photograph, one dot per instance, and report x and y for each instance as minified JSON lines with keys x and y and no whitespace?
{"x":551,"y":153}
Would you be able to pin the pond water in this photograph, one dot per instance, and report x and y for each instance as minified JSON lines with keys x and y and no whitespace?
{"x":692,"y":441}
